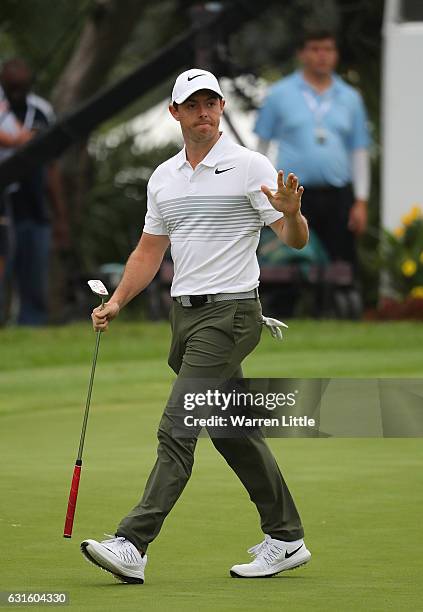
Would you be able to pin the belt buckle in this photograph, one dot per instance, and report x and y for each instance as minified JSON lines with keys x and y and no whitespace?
{"x":197,"y":300}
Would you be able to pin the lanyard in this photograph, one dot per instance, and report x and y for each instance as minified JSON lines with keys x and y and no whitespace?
{"x":29,"y":117}
{"x":318,"y":110}
{"x":28,"y":122}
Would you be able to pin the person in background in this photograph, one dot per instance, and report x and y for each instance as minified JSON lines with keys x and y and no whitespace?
{"x":320,"y":125}
{"x":25,"y":211}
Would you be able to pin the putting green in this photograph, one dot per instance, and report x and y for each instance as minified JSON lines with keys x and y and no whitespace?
{"x":360,"y":500}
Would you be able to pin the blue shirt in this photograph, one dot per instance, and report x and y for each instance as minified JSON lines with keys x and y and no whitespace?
{"x":316,"y":132}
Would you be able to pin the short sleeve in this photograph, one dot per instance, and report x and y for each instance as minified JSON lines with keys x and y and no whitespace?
{"x":43,"y":109}
{"x":360,"y":138}
{"x":261,"y":172}
{"x":154,"y":223}
{"x":266,"y":119}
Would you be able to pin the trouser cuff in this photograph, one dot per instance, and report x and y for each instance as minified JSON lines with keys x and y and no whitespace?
{"x":139,"y":545}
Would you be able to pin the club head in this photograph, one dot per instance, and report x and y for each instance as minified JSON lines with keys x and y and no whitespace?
{"x":98,"y":288}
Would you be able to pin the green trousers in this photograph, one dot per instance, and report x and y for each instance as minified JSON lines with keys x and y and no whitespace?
{"x":210,"y":342}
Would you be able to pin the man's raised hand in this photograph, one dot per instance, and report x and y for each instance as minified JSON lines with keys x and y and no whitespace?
{"x":287,"y":198}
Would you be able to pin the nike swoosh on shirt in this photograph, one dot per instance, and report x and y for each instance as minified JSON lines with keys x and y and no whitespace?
{"x":287,"y":554}
{"x":195,"y":76}
{"x":217,"y":171}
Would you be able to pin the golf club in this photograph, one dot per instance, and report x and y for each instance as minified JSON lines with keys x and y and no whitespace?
{"x":99,"y":289}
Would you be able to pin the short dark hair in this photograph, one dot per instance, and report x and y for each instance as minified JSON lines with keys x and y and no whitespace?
{"x":316,"y":34}
{"x":15,"y":64}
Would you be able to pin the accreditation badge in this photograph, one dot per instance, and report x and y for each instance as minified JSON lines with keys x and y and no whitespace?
{"x":320,"y":134}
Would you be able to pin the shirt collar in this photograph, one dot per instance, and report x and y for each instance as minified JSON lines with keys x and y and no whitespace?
{"x":300,"y":80}
{"x":181,"y":158}
{"x":212,"y":156}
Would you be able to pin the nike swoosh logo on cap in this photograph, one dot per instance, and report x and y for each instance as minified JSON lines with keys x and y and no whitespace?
{"x":195,"y":76}
{"x":287,"y":554}
{"x":217,"y":171}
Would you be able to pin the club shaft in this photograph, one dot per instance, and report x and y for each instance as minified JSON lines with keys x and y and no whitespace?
{"x":90,"y":388}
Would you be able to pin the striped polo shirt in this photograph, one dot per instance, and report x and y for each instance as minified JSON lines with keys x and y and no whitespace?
{"x":213,"y":216}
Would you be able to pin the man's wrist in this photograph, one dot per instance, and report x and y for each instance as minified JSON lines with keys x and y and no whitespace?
{"x":296,"y":216}
{"x":116,"y":302}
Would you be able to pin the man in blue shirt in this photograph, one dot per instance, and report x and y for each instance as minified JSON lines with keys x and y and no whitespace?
{"x":320,"y":124}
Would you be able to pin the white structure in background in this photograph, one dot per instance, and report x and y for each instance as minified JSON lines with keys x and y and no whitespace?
{"x":156,"y":127}
{"x":402,"y":169}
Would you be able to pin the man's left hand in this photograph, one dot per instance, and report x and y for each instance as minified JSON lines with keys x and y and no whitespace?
{"x":287,"y":198}
{"x":357,"y":222}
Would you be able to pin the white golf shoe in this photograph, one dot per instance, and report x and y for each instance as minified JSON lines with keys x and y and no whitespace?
{"x":271,"y":557}
{"x":117,"y":556}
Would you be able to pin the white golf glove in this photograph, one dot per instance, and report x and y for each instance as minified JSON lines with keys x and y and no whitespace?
{"x":274,"y":326}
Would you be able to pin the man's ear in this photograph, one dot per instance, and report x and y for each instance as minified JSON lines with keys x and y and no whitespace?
{"x":174,"y":112}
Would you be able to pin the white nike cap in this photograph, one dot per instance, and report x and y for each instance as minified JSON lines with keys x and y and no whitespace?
{"x":191,"y":81}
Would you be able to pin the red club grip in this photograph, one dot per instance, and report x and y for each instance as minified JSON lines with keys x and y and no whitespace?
{"x":73,"y":495}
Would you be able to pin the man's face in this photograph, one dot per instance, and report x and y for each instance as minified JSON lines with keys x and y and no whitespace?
{"x":199,"y":116}
{"x":319,"y":56}
{"x":16,"y":85}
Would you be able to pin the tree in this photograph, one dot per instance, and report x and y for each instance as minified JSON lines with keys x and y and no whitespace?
{"x":106,"y":31}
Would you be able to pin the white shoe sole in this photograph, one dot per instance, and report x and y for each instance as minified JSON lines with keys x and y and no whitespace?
{"x":302,"y":558}
{"x":99,"y":557}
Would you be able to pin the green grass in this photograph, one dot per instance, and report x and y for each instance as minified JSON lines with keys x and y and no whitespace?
{"x":360,"y":499}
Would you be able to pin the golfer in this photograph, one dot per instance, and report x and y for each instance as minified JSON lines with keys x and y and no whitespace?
{"x":209,"y":203}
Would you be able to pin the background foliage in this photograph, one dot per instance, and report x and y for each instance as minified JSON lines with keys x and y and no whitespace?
{"x":402,"y":256}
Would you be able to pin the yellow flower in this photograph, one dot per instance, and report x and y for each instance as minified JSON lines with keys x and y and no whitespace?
{"x":406,"y":219}
{"x":409,"y":267}
{"x":412,"y":216}
{"x":417,"y":292}
{"x":415,"y":212}
{"x":398,"y":232}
